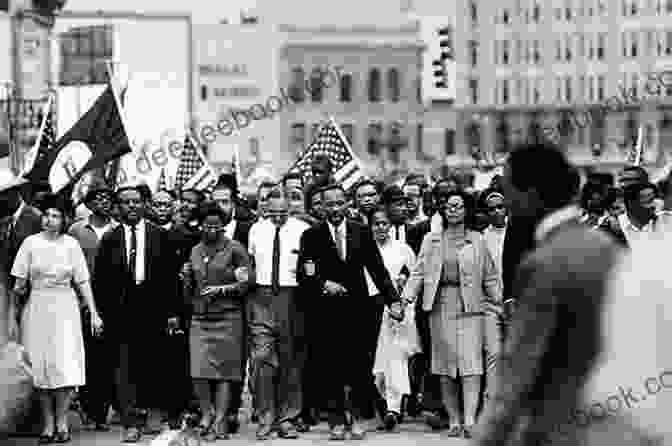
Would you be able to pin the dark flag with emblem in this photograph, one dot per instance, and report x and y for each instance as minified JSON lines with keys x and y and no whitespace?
{"x":329,"y":140}
{"x":97,"y":138}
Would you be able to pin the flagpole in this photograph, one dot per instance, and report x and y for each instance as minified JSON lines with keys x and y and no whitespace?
{"x":40,"y":134}
{"x":113,"y":79}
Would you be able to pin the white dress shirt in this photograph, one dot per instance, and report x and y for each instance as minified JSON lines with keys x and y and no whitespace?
{"x":494,"y":240}
{"x":262,"y":235}
{"x":395,"y":256}
{"x":141,"y":230}
{"x":230,"y":229}
{"x":342,"y":231}
{"x":402,"y":233}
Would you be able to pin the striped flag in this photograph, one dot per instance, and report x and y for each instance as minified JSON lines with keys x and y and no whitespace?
{"x":163,"y":184}
{"x":194,"y":170}
{"x":329,"y":140}
{"x":46,"y":137}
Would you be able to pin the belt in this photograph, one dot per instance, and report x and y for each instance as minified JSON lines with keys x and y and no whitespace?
{"x":468,"y":314}
{"x":451,"y":283}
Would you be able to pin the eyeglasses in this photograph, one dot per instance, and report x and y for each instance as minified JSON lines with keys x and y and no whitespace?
{"x":497,"y":207}
{"x":212,"y":228}
{"x":455,"y":206}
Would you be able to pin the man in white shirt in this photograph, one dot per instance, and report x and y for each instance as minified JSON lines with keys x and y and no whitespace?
{"x":495,"y":232}
{"x":275,"y":325}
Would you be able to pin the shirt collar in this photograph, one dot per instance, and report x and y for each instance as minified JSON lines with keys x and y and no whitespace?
{"x":17,"y":214}
{"x":140,"y":224}
{"x":340,"y":228}
{"x":555,"y":219}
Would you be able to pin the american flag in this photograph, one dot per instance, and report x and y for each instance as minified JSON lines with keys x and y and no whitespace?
{"x":194,"y":171}
{"x":46,"y":138}
{"x":329,"y":140}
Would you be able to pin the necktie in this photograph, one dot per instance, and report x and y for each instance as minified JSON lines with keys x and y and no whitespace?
{"x":338,"y":238}
{"x":275,"y":273}
{"x":132,"y":254}
{"x":396,"y":231}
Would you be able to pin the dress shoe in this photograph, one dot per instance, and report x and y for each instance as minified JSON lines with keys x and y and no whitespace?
{"x":357,"y":432}
{"x":131,"y":435}
{"x":436,"y":421}
{"x":264,"y":432}
{"x":390,"y":421}
{"x":62,"y":436}
{"x":287,"y":431}
{"x":302,"y":426}
{"x":337,"y":433}
{"x":234,"y":424}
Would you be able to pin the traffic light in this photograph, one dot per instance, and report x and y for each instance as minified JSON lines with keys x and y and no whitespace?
{"x":446,"y":53}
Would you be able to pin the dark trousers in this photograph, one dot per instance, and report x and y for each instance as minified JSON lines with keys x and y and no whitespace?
{"x":422,"y":379}
{"x":351,"y":387}
{"x":98,"y":393}
{"x":126,"y":389}
{"x":276,"y":353}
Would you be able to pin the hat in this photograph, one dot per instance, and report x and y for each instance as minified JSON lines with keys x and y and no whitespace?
{"x":393,"y":194}
{"x":8,"y":180}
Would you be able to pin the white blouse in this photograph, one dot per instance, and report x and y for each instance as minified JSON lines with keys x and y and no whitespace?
{"x":395,"y":255}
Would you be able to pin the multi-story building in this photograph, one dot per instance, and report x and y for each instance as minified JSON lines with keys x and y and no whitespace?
{"x":236,"y":72}
{"x":526,"y":66}
{"x":370,"y":85}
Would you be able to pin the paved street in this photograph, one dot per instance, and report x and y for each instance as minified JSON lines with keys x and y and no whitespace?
{"x":410,"y":434}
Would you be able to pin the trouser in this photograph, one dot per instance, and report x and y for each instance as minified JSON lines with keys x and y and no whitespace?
{"x":422,"y":379}
{"x":493,"y":347}
{"x":276,"y":354}
{"x":97,"y":395}
{"x":126,"y":391}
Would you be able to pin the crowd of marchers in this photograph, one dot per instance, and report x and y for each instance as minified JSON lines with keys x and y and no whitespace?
{"x":367,"y":308}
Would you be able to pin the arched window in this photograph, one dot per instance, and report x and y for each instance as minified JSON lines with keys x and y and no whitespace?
{"x":630,"y":131}
{"x":396,"y":142}
{"x":393,"y":84}
{"x":316,"y":85}
{"x":296,"y":89}
{"x":346,"y":88}
{"x":374,"y":85}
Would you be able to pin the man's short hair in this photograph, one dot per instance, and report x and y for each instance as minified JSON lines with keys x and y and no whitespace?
{"x":292,"y":176}
{"x":322,"y":158}
{"x":266,"y":185}
{"x":276,"y":193}
{"x":171,"y":193}
{"x":544,"y":168}
{"x":199,"y":194}
{"x":365,"y":182}
{"x":144,"y":191}
{"x":332,"y":186}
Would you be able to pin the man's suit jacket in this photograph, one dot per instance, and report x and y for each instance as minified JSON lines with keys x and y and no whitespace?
{"x":127,"y":315}
{"x":555,"y":334}
{"x":416,"y":233}
{"x":318,"y":245}
{"x":241,"y":233}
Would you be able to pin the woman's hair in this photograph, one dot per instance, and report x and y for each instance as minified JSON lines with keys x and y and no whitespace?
{"x":208,"y":209}
{"x":469,"y":203}
{"x":57,"y":202}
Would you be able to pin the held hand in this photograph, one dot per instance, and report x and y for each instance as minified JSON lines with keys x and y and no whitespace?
{"x":13,"y":329}
{"x":96,"y":324}
{"x":174,"y":326}
{"x":401,"y":282}
{"x":242,"y":274}
{"x":186,"y":271}
{"x":396,"y":311}
{"x":210,"y":291}
{"x":227,"y":290}
{"x":333,"y":288}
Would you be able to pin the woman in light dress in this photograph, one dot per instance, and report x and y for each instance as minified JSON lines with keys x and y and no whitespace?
{"x":397,"y":341}
{"x":50,"y":272}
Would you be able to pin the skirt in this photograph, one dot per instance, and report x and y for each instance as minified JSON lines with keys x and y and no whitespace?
{"x":457,"y":340}
{"x":216,"y":347}
{"x":51,"y":332}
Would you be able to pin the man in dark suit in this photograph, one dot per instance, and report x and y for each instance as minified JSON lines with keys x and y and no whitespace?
{"x":556,"y":330}
{"x":136,"y":289}
{"x":238,"y":230}
{"x":333,"y":256}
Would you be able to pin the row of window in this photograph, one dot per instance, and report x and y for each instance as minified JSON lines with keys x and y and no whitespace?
{"x":84,"y":53}
{"x":319,"y":79}
{"x":375,"y":133}
{"x":630,"y":8}
{"x":524,"y":51}
{"x":646,"y":43}
{"x":572,"y":46}
{"x":529,"y":11}
{"x":582,"y":89}
{"x":634,"y":87}
{"x":520,"y":91}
